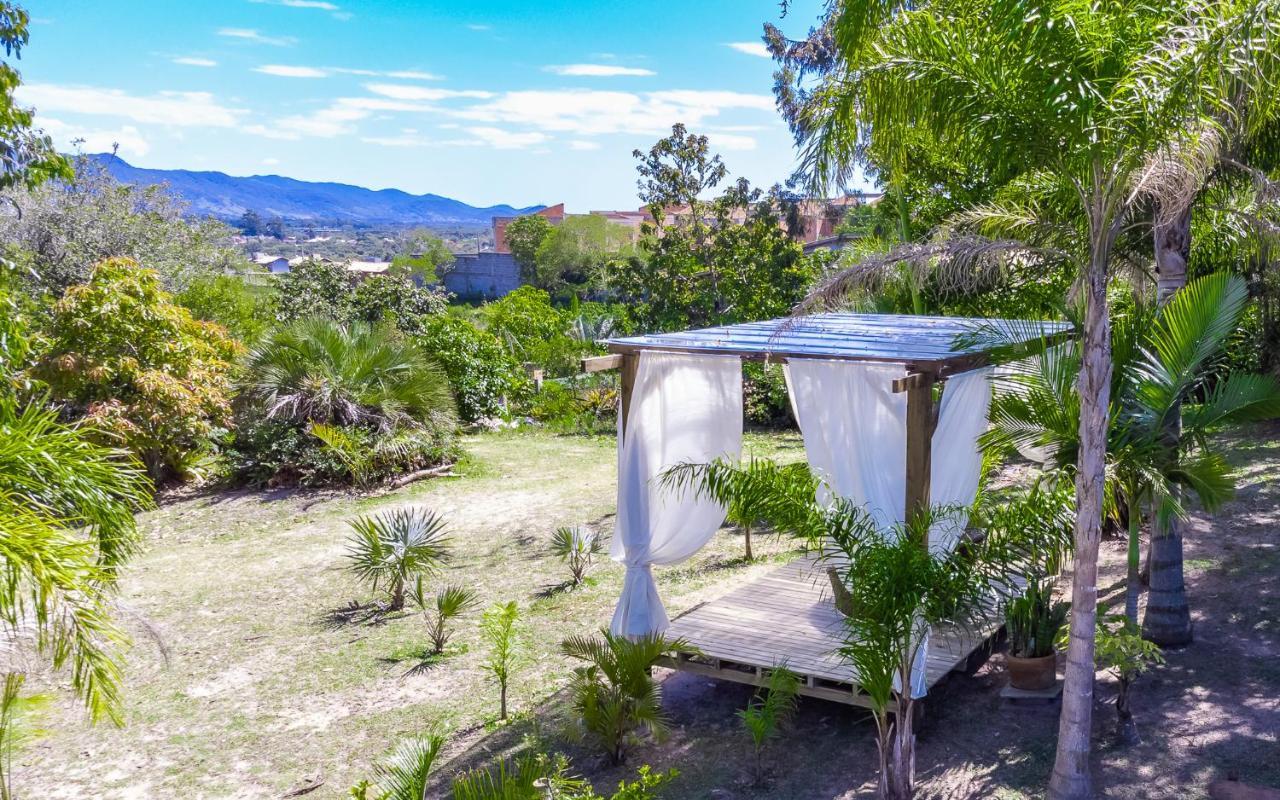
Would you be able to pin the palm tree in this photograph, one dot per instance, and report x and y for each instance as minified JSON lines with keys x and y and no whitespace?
{"x":320,"y":371}
{"x":576,"y":547}
{"x":615,"y":693}
{"x":403,"y":773}
{"x":440,"y":609}
{"x":1074,"y":101}
{"x":1164,"y":360}
{"x":388,"y":549}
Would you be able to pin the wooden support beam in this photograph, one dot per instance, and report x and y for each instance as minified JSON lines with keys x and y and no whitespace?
{"x":602,"y":363}
{"x":920,"y":425}
{"x":627,"y":383}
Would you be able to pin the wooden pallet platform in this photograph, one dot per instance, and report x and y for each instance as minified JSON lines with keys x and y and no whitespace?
{"x":787,"y":616}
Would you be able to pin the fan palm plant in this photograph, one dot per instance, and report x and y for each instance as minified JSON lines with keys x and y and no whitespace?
{"x":614,"y":692}
{"x":320,"y":371}
{"x":390,"y":548}
{"x":440,"y":609}
{"x":578,"y":548}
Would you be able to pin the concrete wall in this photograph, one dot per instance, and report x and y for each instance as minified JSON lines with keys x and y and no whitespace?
{"x":483,"y":276}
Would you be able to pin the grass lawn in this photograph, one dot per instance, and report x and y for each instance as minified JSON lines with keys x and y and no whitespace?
{"x":251,"y":678}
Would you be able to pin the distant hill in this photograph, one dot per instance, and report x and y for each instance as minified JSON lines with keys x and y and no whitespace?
{"x":227,"y":197}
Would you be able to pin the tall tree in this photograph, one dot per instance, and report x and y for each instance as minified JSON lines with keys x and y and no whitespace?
{"x":28,"y":157}
{"x":1078,"y":99}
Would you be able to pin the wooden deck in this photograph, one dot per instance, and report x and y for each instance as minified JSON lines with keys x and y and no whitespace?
{"x":787,"y":615}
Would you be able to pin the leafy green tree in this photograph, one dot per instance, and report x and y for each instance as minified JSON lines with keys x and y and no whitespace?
{"x":534,"y":330}
{"x":30,"y":158}
{"x":614,"y":692}
{"x":395,"y":299}
{"x":423,"y":255}
{"x":990,"y":83}
{"x":61,"y":229}
{"x":577,"y":256}
{"x":391,"y":548}
{"x":124,"y":356}
{"x":524,"y":236}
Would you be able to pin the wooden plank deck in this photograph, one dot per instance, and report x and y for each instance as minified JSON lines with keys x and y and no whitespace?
{"x":786,"y":615}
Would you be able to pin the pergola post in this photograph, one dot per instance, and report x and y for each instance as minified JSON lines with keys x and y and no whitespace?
{"x":626,"y":384}
{"x":921,"y":420}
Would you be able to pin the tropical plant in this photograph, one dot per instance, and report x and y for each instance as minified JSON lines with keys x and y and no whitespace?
{"x":769,"y":711}
{"x":529,"y":776}
{"x":500,"y":628}
{"x":403,"y":773}
{"x":440,"y":609}
{"x":749,"y":490}
{"x":1164,"y":367}
{"x":123,"y":355}
{"x":1034,"y":619}
{"x":898,"y":587}
{"x":390,"y":548}
{"x":577,"y":547}
{"x":614,"y":693}
{"x":1123,"y":652}
{"x":986,"y":87}
{"x":16,"y":728}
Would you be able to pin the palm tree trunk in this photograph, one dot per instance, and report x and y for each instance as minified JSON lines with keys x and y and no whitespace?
{"x":1071,"y":778}
{"x":746,"y":530}
{"x":1133,"y":583}
{"x":1168,"y":618}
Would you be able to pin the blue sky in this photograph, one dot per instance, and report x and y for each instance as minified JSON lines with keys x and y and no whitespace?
{"x":487,"y":102}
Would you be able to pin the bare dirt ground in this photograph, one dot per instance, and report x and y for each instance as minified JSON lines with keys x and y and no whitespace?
{"x":264,"y":685}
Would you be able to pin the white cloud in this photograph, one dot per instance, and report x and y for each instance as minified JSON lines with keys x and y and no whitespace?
{"x":582,"y":144}
{"x":591,"y":112}
{"x":414,"y":75}
{"x":196,"y":109}
{"x":731,"y":141}
{"x":478,"y":27}
{"x":320,"y":4}
{"x":750,"y":48}
{"x":401,"y":92}
{"x":507,"y":140}
{"x":596,"y":70}
{"x":350,"y":71}
{"x":270,"y":162}
{"x":126,"y":138}
{"x":192,"y":61}
{"x":286,"y":71}
{"x":253,"y":35}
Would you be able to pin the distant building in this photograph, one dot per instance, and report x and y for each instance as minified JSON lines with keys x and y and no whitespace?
{"x":276,"y":265}
{"x":837,"y":242}
{"x":554,"y":215}
{"x":487,"y":275}
{"x":367,"y":268}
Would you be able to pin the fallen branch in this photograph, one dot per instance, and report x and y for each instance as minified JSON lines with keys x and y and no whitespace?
{"x":442,"y":471}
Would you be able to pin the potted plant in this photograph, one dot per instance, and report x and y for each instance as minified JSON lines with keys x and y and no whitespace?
{"x":1033,"y":621}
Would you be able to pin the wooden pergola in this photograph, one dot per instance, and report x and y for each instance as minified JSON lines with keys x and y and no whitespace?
{"x":786,"y":615}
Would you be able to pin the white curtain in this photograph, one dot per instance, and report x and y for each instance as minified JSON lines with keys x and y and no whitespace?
{"x":855,"y":435}
{"x":684,"y":408}
{"x":956,"y":462}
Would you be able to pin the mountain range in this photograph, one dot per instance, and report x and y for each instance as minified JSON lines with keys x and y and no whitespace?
{"x":228,"y":197}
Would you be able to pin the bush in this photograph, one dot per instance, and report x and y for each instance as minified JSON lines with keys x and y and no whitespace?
{"x":378,"y":402}
{"x":246,"y":311}
{"x":122,"y":354}
{"x":535,"y":331}
{"x":486,"y":379}
{"x":585,"y":404}
{"x":764,"y":396}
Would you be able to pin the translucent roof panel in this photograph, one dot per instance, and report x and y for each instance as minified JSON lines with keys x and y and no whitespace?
{"x":940,"y":344}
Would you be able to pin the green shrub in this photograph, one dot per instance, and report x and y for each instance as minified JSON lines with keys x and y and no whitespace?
{"x":245,"y":310}
{"x":486,"y":379}
{"x":120,"y":353}
{"x":535,"y":331}
{"x":395,"y":299}
{"x":765,"y":401}
{"x":586,"y":404}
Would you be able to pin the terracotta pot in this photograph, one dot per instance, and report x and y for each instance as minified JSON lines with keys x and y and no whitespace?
{"x":1032,"y":674}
